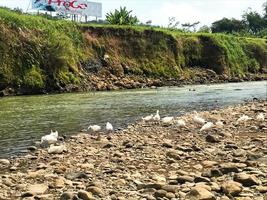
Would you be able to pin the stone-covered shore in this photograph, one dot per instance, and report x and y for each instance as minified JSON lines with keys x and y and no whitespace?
{"x":150,"y":160}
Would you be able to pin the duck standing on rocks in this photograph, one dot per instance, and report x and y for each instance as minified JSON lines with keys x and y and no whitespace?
{"x":198,"y":120}
{"x":207,"y":126}
{"x":147,"y":118}
{"x":243,"y":118}
{"x":219,"y":124}
{"x":94,"y":128}
{"x":167,"y":120}
{"x":260,"y":117}
{"x":49,"y":139}
{"x":180,"y":123}
{"x":109,"y":127}
{"x":157,"y":116}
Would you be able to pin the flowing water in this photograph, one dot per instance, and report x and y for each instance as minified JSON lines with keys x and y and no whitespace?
{"x":24,"y":119}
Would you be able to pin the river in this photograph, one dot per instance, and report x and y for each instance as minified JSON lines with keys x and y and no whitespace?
{"x":24,"y":119}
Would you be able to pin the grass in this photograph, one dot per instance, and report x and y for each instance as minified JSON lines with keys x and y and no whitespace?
{"x":41,"y":54}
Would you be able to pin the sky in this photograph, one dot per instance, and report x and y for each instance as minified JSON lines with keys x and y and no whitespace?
{"x":159,"y":11}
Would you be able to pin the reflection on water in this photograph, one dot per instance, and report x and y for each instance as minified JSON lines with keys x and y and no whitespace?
{"x":25,"y":119}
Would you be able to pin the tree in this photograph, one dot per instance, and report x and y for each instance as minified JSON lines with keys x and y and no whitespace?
{"x":265,"y":10}
{"x":254,"y":21}
{"x":121,"y":17}
{"x":226,"y":25}
{"x":204,"y":29}
{"x":188,"y":26}
{"x":173,"y":23}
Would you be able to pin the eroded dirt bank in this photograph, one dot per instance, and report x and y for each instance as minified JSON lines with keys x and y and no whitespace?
{"x":150,"y":160}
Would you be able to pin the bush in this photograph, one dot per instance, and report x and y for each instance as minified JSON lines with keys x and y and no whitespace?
{"x":121,"y":17}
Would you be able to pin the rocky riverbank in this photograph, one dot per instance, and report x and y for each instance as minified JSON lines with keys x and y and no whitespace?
{"x":150,"y":160}
{"x":104,"y":80}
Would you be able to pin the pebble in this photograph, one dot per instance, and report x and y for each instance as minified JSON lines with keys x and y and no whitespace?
{"x":232,"y":188}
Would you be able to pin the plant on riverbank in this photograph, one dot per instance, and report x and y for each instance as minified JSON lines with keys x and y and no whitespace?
{"x":41,"y":54}
{"x":121,"y":17}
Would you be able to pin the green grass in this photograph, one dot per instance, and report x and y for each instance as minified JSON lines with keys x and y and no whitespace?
{"x":37,"y":53}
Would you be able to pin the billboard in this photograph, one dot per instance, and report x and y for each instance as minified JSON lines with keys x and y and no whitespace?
{"x":81,"y":7}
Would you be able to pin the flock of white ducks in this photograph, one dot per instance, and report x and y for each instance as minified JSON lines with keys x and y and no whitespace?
{"x":197,"y":119}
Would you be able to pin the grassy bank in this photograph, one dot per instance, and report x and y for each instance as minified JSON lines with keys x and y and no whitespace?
{"x":37,"y":54}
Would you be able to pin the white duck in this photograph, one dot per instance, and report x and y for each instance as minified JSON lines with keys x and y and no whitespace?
{"x":180,"y":123}
{"x":244,"y":118}
{"x":94,"y":128}
{"x":109,"y":127}
{"x":50,"y":139}
{"x":219,"y":124}
{"x":167,"y":120}
{"x":260,"y":117}
{"x":198,"y":120}
{"x":156,"y":117}
{"x":207,"y":126}
{"x":147,"y":118}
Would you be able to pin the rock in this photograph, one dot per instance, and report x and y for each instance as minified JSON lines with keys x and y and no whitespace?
{"x":262,"y":189}
{"x":170,"y":195}
{"x":156,"y":186}
{"x":4,"y":162}
{"x":174,"y":154}
{"x":232,"y":188}
{"x":213,"y":173}
{"x":160,"y":193}
{"x":201,"y":179}
{"x":167,"y":144}
{"x":212,"y":139}
{"x":184,"y":179}
{"x":224,"y":198}
{"x":208,"y":164}
{"x":226,"y":168}
{"x":239,"y":153}
{"x":215,"y":187}
{"x":198,"y":167}
{"x":76,"y":175}
{"x":32,"y":148}
{"x":59,"y":183}
{"x":56,"y":149}
{"x":67,"y":196}
{"x":27,"y":194}
{"x":44,"y":197}
{"x":37,"y":189}
{"x":95,"y":191}
{"x":84,"y":195}
{"x":199,"y":193}
{"x":171,"y":188}
{"x":246,"y":180}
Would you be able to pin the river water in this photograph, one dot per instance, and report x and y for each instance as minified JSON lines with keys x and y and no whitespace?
{"x":24,"y":119}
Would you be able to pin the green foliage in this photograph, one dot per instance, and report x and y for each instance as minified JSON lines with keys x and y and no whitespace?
{"x":255,"y":22}
{"x":204,"y":29}
{"x":33,"y":79}
{"x":41,"y":54}
{"x":228,"y":26}
{"x":252,"y":24}
{"x":35,"y":51}
{"x":121,"y":17}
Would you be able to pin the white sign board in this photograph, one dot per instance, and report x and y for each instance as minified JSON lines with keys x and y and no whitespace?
{"x":81,"y":7}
